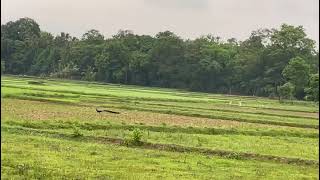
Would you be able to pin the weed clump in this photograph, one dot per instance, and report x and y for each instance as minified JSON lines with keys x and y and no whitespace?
{"x":76,"y":132}
{"x":199,"y":142}
{"x":136,"y":136}
{"x":135,"y":139}
{"x":23,"y":169}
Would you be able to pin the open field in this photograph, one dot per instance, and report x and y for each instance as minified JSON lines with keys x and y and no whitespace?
{"x":50,"y":128}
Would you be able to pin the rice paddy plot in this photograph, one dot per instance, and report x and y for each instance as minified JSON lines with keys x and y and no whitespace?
{"x":50,"y":129}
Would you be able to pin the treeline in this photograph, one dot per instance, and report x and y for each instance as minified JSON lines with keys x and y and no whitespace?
{"x":271,"y":62}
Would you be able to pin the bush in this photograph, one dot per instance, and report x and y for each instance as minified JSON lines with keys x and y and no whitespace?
{"x":89,"y":75}
{"x":68,"y":72}
{"x":136,"y":136}
{"x":76,"y":132}
{"x":286,"y":91}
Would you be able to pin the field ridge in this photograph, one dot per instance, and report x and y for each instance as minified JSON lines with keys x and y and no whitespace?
{"x":165,"y":147}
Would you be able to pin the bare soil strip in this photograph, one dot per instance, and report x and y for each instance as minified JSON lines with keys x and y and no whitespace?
{"x":209,"y":116}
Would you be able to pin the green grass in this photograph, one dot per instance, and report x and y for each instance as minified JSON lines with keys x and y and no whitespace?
{"x":51,"y":130}
{"x":41,"y":157}
{"x":291,"y":147}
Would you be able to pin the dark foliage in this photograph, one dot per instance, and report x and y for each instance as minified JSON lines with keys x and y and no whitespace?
{"x":257,"y":66}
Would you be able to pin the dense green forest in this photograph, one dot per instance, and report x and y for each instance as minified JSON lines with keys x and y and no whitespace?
{"x":281,"y":63}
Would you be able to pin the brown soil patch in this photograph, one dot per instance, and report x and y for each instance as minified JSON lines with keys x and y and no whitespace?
{"x":35,"y":110}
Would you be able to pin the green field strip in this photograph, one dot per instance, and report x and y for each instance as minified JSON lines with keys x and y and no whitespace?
{"x":312,"y":124}
{"x":39,"y":157}
{"x":164,"y":147}
{"x":164,"y":128}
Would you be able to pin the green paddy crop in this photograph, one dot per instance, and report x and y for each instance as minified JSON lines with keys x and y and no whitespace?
{"x":51,"y":130}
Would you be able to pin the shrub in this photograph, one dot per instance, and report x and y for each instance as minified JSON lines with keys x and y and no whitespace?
{"x":136,"y":136}
{"x":76,"y":132}
{"x":69,"y":72}
{"x":89,"y":75}
{"x":286,"y":91}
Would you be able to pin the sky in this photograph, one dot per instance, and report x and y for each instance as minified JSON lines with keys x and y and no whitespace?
{"x":187,"y":18}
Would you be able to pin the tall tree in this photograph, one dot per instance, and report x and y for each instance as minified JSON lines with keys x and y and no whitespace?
{"x":268,"y":62}
{"x":297,"y":72}
{"x":312,"y":90}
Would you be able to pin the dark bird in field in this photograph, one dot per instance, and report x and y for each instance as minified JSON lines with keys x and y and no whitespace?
{"x":104,"y":110}
{"x":98,"y":111}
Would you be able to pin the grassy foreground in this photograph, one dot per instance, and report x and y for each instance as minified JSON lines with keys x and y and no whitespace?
{"x":50,"y":130}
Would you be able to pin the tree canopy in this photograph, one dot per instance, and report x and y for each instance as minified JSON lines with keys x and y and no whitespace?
{"x":271,"y":62}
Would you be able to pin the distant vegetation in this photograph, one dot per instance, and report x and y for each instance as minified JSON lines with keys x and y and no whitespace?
{"x":281,"y":63}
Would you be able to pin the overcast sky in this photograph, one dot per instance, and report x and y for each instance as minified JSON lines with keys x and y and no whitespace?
{"x":187,"y":18}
